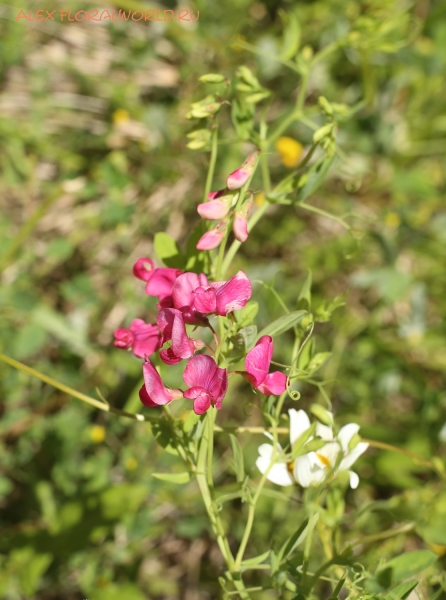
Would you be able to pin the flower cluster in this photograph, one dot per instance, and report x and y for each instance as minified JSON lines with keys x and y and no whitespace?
{"x":186,"y":299}
{"x":311,"y":468}
{"x":229,"y":202}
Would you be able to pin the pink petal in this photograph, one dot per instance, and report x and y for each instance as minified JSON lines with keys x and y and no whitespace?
{"x":219,"y":386}
{"x":240,"y":227}
{"x":200,"y":371}
{"x":169,"y":357}
{"x":181,"y":344}
{"x":161,"y":282}
{"x":147,"y":338}
{"x":240,"y":176}
{"x":210,"y":240}
{"x":215,"y":209}
{"x":143,"y":268}
{"x":183,"y":289}
{"x":274,"y":384}
{"x":202,"y":399}
{"x":217,"y":194}
{"x":234,"y":294}
{"x":154,"y":386}
{"x":205,"y":300}
{"x":258,"y":360}
{"x":145,"y":398}
{"x":124,"y":338}
{"x":164,"y":320}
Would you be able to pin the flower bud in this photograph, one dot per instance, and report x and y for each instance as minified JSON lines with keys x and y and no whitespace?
{"x":143,"y":268}
{"x":215,"y":209}
{"x":124,"y":338}
{"x":211,"y":239}
{"x":240,"y":176}
{"x":212,"y":78}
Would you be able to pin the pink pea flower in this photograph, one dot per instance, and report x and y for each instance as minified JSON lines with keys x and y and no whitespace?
{"x":217,"y":207}
{"x":207,"y":383}
{"x":153,"y":392}
{"x":257,"y":365}
{"x":142,"y":338}
{"x":212,"y":238}
{"x":223,"y":297}
{"x":183,"y":295}
{"x":240,"y":223}
{"x":171,"y":323}
{"x":240,"y":176}
{"x":159,"y":280}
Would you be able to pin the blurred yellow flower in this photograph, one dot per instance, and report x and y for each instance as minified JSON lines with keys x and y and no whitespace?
{"x":290,"y":151}
{"x":441,"y":550}
{"x":392,"y":220}
{"x":131,"y":463}
{"x":97,"y":434}
{"x":120,"y":116}
{"x":259,"y":199}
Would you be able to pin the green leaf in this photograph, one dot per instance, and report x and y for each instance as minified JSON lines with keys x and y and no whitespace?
{"x":314,"y":178}
{"x":305,"y":292}
{"x":247,"y":314}
{"x":122,"y":499}
{"x":190,"y":422}
{"x":173,"y":477}
{"x":195,"y":260}
{"x":284,"y":323}
{"x":238,"y":459}
{"x":30,"y":575}
{"x":293,"y":541}
{"x":298,"y":445}
{"x":402,"y":591}
{"x":168,"y":251}
{"x":250,"y":562}
{"x":410,"y":563}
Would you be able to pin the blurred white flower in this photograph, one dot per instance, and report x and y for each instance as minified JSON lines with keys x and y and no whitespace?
{"x":311,"y":468}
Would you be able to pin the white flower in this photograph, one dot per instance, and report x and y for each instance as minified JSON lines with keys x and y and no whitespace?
{"x":311,"y":468}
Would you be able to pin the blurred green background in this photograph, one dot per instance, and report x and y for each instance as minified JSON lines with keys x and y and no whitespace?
{"x":93,"y":163}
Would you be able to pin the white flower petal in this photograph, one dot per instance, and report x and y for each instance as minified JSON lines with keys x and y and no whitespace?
{"x":266,"y":451}
{"x":299,"y":423}
{"x":324,"y":431}
{"x":328,"y":453}
{"x":307,"y":472}
{"x":353,"y":456}
{"x":278,"y":473}
{"x":354,"y":480}
{"x":345,"y":435}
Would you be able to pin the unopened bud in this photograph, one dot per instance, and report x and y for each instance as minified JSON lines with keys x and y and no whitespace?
{"x":212,"y":78}
{"x":240,"y":176}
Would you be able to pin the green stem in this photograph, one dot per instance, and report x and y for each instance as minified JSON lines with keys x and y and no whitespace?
{"x":253,"y":503}
{"x":212,"y":162}
{"x":71,"y":392}
{"x":235,"y":244}
{"x":210,"y":423}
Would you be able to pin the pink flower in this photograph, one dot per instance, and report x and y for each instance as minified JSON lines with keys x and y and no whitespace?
{"x":211,"y":239}
{"x":215,"y":209}
{"x":223,"y":297}
{"x":153,"y":392}
{"x":183,"y":295}
{"x":218,"y":205}
{"x":240,"y":223}
{"x":144,"y":339}
{"x":159,"y":280}
{"x":240,"y":176}
{"x":171,"y":323}
{"x":207,"y":383}
{"x":257,"y":365}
